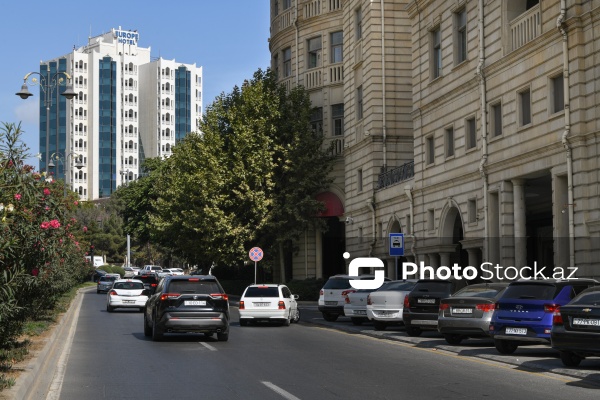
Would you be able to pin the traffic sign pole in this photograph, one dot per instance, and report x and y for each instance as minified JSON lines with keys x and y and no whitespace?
{"x":255,"y":254}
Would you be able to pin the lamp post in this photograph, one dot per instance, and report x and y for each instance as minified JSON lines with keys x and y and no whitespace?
{"x":47,"y":84}
{"x":66,"y":164}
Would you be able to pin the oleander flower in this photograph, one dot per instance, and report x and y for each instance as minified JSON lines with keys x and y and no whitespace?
{"x":17,"y":197}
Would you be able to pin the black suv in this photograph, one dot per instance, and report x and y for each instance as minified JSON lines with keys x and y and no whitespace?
{"x":150,"y":281}
{"x":422,"y":304}
{"x":184,"y":303}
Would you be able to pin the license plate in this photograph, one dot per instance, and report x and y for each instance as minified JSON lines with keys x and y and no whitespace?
{"x":516,"y":331}
{"x":587,"y":322}
{"x":426,"y":301}
{"x":462,"y":311}
{"x":128,"y":301}
{"x":261,"y":304}
{"x":331,"y":303}
{"x":360,"y":312}
{"x":424,"y":322}
{"x":386,"y":313}
{"x":195,"y":302}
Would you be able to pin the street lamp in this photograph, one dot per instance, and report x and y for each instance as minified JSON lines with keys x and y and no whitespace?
{"x":61,"y":158}
{"x":47,"y":84}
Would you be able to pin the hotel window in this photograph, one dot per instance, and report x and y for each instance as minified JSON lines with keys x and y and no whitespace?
{"x":359,"y":103}
{"x":496,"y":119}
{"x":358,"y":23}
{"x":287,"y":62}
{"x":449,"y":142}
{"x":525,"y":106}
{"x":314,"y":52}
{"x":460,"y":19}
{"x":287,"y":4}
{"x":436,"y":49}
{"x":471,"y":132}
{"x":337,"y":115}
{"x":429,"y":150}
{"x":558,"y":93}
{"x":360,"y":180}
{"x":316,"y":120}
{"x":337,"y":47}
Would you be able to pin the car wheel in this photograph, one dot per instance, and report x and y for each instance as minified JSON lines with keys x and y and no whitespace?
{"x":296,"y":318}
{"x":222,"y":336}
{"x":412,"y":331}
{"x":506,"y":346}
{"x":243,"y":322}
{"x":330,"y":317}
{"x":147,"y":328}
{"x":157,"y":335}
{"x":356,"y":321}
{"x":453,"y":339}
{"x":379,"y":325}
{"x":109,"y":308}
{"x":570,"y":359}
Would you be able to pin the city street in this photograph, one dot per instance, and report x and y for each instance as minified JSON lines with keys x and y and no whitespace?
{"x":111,"y":358}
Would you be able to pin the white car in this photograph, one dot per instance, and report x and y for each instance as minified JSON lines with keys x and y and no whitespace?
{"x":385,"y":306}
{"x":268,"y":302}
{"x":173,"y":271}
{"x":126,"y":293}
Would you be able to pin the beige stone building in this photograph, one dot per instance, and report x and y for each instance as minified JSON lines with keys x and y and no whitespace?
{"x":470,"y":126}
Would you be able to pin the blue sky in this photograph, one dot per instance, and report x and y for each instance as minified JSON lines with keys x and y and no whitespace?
{"x":228,"y":38}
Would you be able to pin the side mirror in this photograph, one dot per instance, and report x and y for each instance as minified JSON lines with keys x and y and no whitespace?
{"x":295,"y":296}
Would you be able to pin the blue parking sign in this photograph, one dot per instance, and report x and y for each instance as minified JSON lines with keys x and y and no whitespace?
{"x":396,"y":244}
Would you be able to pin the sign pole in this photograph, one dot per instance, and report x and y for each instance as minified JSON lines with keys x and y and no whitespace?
{"x":255,"y":271}
{"x":255,"y":254}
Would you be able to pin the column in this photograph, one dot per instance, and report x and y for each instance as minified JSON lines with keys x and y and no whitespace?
{"x":519,"y":222}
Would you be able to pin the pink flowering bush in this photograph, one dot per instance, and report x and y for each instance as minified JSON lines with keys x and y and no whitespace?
{"x":40,"y":258}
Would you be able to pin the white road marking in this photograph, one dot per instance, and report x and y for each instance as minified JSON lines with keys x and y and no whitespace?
{"x":280,"y":391}
{"x":208,"y":346}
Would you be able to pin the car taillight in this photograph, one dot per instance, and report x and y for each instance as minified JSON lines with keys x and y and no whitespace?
{"x":281,"y":305}
{"x":369,"y":303}
{"x":550,"y":308}
{"x":153,"y":284}
{"x":443,"y":306}
{"x":113,"y":293}
{"x":166,"y":296}
{"x":346,"y":300}
{"x":221,"y":296}
{"x":485,"y":307}
{"x":321,"y":292}
{"x":557,"y":317}
{"x":242,"y":306}
{"x":406,"y":303}
{"x":347,"y":292}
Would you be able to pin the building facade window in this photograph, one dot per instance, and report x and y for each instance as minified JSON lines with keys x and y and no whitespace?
{"x":430,"y":219}
{"x":496,"y":119}
{"x":449,"y":142}
{"x":460,"y":20}
{"x":316,"y":120}
{"x":287,"y":4}
{"x":337,"y":51}
{"x":276,"y":66}
{"x":472,"y":210}
{"x":358,"y":23}
{"x":557,"y":93}
{"x":314,"y":52}
{"x":287,"y":62}
{"x":471,"y":132}
{"x":337,"y":116}
{"x":429,"y":150}
{"x":359,"y":177}
{"x":525,"y":106}
{"x":436,"y":49}
{"x":359,"y":102}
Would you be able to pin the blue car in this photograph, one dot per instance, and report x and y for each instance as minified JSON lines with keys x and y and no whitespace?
{"x":523,"y":314}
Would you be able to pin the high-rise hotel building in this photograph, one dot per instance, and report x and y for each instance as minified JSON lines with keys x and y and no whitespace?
{"x":129,"y":107}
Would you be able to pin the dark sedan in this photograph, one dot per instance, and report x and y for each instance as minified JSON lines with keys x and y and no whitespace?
{"x":576,"y":328}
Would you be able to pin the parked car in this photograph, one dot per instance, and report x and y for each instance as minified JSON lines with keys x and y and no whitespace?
{"x":150,"y":281}
{"x":421,"y":305}
{"x":468,"y":312}
{"x":129,"y":272}
{"x":187,"y":303}
{"x":268,"y":302}
{"x":126,"y":293}
{"x":173,"y":271}
{"x":355,"y":304}
{"x":576,"y":328}
{"x":523,"y":314}
{"x":105,"y":282}
{"x":385,"y":305}
{"x":151,"y":268}
{"x":331,"y":301}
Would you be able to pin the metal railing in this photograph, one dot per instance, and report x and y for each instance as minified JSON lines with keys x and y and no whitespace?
{"x":396,"y":175}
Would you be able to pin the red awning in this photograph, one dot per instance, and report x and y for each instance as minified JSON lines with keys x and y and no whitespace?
{"x":333,"y":205}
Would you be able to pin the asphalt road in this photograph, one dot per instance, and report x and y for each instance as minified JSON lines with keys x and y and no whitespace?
{"x":110,"y":358}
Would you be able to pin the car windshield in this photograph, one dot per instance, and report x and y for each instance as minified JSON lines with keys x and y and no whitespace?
{"x":262,"y":291}
{"x":533,"y":291}
{"x":128,"y":285}
{"x":481,"y":291}
{"x":337,"y":283}
{"x":195,"y":286}
{"x":398,"y":286}
{"x":589,"y":298}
